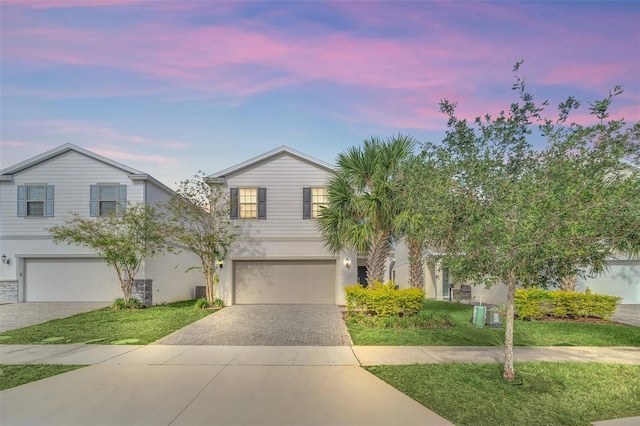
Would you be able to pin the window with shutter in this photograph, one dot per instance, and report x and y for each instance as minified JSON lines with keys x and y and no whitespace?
{"x":35,"y":200}
{"x":107,"y":199}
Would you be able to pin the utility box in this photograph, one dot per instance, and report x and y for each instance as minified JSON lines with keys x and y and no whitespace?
{"x":493,"y":318}
{"x":479,"y":315}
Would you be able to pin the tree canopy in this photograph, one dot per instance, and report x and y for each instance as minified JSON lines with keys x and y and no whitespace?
{"x":123,"y":240}
{"x":513,"y":214}
{"x":363,"y":200}
{"x":198,"y":220}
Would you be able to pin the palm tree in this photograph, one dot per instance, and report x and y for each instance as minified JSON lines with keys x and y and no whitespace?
{"x":363,"y":200}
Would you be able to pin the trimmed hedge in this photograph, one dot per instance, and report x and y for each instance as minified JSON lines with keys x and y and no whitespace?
{"x":383,"y":299}
{"x":534,"y":303}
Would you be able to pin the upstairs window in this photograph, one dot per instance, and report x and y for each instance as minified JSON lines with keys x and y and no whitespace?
{"x":107,"y":199}
{"x":312,"y":201}
{"x":35,"y":200}
{"x":248,"y":203}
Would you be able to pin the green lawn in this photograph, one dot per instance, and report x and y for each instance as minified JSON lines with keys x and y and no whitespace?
{"x":108,"y":326}
{"x":526,"y":333}
{"x":19,"y":374}
{"x":550,"y":393}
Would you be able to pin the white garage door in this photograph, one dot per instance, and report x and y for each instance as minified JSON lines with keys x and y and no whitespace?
{"x":285,"y":281}
{"x":621,"y":279}
{"x":66,"y":280}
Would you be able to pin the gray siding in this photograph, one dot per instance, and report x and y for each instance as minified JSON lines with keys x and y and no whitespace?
{"x":284,"y":176}
{"x":71,"y":173}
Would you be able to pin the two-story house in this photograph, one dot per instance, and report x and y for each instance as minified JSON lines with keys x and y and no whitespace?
{"x":279,"y":255}
{"x":39,"y":193}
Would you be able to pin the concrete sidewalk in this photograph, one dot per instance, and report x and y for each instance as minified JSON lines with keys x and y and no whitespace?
{"x":240,"y":385}
{"x":302,"y":355}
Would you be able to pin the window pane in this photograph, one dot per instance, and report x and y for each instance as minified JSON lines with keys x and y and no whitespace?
{"x":108,"y":192}
{"x":35,"y":193}
{"x":35,"y":208}
{"x":318,"y":199}
{"x":107,"y":208}
{"x":248,"y":201}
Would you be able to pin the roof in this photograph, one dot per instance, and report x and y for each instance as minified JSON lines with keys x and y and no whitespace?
{"x":134,"y":174}
{"x":268,"y":155}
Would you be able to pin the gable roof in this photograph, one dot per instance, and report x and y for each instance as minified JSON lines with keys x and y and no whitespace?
{"x":268,"y":155}
{"x":6,"y":175}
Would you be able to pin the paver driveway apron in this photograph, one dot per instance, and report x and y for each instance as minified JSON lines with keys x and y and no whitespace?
{"x":266,"y":325}
{"x":17,"y":315}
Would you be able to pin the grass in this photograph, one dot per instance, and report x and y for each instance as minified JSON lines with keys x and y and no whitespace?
{"x":108,"y":326}
{"x":19,"y":374}
{"x":526,"y":333}
{"x":550,"y":394}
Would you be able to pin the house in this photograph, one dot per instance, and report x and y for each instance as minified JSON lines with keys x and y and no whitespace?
{"x":39,"y":193}
{"x":621,"y":278}
{"x":279,"y":255}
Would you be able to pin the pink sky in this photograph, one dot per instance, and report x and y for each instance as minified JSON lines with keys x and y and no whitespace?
{"x":209,"y":84}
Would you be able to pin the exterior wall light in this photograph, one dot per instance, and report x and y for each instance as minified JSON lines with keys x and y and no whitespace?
{"x":347,"y":262}
{"x":6,"y":260}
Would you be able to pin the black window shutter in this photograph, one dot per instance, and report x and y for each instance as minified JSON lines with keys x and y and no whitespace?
{"x":233,"y":200}
{"x":22,"y":200}
{"x":93,"y":200}
{"x":262,"y":203}
{"x":306,"y":203}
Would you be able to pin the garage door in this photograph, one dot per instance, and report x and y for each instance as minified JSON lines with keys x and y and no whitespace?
{"x":65,"y":280}
{"x":282,"y":281}
{"x":622,"y":279}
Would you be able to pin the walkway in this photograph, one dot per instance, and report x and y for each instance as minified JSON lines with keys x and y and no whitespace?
{"x":266,"y":325}
{"x":302,"y":355}
{"x":17,"y":315}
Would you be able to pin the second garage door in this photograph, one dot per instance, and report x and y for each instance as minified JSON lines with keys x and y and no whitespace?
{"x":70,"y":280}
{"x":285,"y":281}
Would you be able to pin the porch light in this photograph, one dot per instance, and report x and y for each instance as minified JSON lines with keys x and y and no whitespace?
{"x":6,"y":260}
{"x":347,"y":262}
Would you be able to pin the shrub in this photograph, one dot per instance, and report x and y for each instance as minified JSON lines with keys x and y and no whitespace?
{"x":421,"y":320}
{"x":537,"y":303}
{"x":383,"y":299}
{"x":205,"y":304}
{"x":120,"y":305}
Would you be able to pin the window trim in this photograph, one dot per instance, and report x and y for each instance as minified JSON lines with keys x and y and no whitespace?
{"x":308,"y":204}
{"x":260,"y":204}
{"x":95,"y":202}
{"x":47,"y":200}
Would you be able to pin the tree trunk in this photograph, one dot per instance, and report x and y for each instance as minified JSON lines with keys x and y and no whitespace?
{"x":377,"y":258}
{"x":416,"y":264}
{"x":509,"y":372}
{"x":569,"y":283}
{"x":127,"y":286}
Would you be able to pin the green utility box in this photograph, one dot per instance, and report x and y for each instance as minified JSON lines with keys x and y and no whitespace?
{"x":479,"y":315}
{"x":493,"y":318}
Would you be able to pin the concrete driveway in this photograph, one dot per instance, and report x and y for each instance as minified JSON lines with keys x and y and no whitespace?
{"x":17,"y":315}
{"x":627,"y":314}
{"x":266,"y":325}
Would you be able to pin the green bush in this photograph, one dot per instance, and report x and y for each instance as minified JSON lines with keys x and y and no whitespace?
{"x":535,"y":303}
{"x":205,"y":304}
{"x":422,"y":320}
{"x":120,"y":305}
{"x":383,"y":299}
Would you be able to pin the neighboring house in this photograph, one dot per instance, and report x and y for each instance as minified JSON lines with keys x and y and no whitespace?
{"x":41,"y":192}
{"x":621,"y":278}
{"x":279,"y":255}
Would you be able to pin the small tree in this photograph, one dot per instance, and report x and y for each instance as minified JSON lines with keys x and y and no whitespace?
{"x":519,"y":216}
{"x":198,"y":219}
{"x":123,"y":240}
{"x":363,"y":201}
